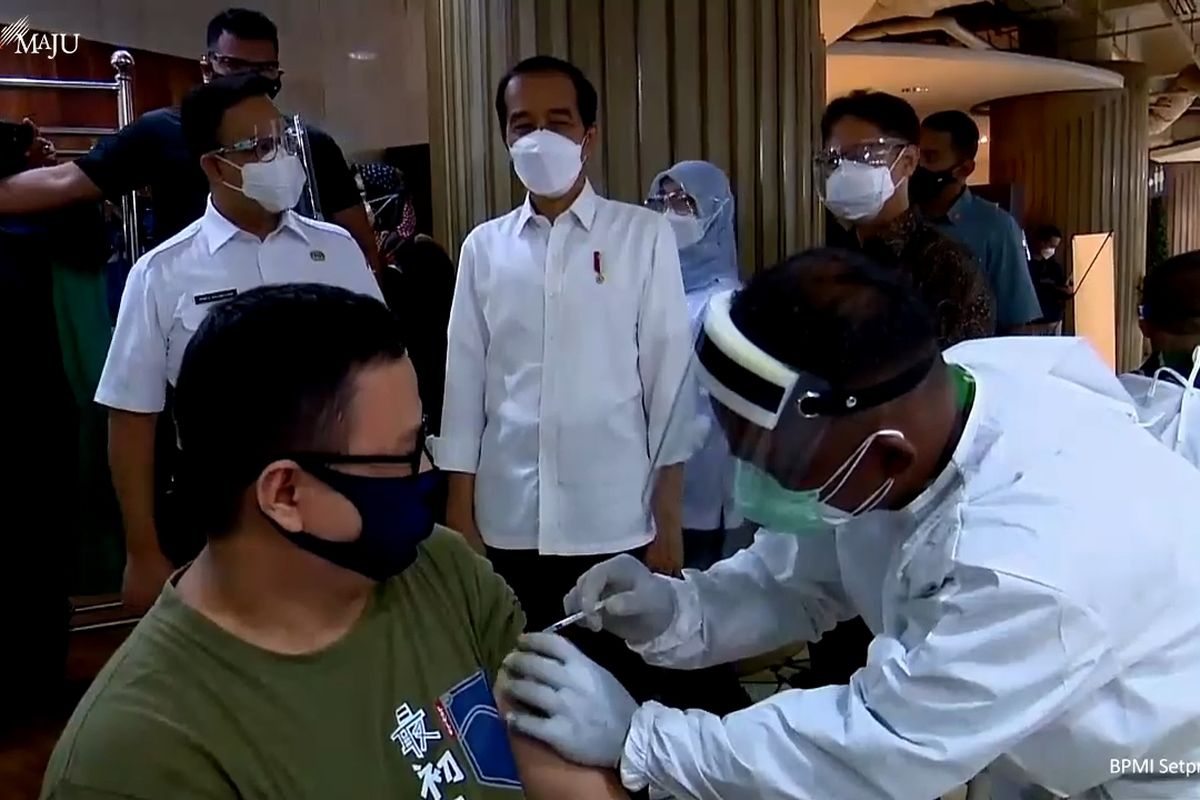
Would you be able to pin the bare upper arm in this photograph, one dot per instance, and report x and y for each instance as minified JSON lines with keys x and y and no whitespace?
{"x":548,"y":776}
{"x":45,"y":189}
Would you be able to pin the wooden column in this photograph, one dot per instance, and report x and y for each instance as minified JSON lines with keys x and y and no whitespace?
{"x":736,"y":83}
{"x":1181,"y":203}
{"x":1081,"y":159}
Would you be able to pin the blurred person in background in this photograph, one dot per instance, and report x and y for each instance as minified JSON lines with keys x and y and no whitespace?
{"x":1049,"y":279}
{"x":42,"y":422}
{"x":949,"y":143}
{"x":1167,"y":386}
{"x":870,"y":155}
{"x":417,"y":279}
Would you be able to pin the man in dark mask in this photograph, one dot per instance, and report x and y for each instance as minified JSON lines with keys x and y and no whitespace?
{"x":330,"y":640}
{"x":151,"y":152}
{"x":949,"y":144}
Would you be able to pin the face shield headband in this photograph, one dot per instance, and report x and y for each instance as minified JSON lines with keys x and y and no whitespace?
{"x":766,"y":392}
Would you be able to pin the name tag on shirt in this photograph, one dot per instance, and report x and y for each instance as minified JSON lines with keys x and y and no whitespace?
{"x":214,"y":297}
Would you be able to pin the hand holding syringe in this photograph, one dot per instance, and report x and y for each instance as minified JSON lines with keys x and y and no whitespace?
{"x":567,"y":622}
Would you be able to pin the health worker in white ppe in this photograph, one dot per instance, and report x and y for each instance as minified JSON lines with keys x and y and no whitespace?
{"x":1034,"y":608}
{"x":1167,"y":386}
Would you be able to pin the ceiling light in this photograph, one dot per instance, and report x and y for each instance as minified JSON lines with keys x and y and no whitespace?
{"x":914,"y":90}
{"x":363,"y":55}
{"x":983,"y":139}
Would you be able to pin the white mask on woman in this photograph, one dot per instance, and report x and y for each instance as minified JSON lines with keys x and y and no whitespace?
{"x":688,"y":229}
{"x":547,"y":163}
{"x":857,"y":191}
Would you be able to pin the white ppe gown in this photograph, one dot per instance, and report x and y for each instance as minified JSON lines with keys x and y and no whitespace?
{"x":1170,"y":411}
{"x":1036,"y":611}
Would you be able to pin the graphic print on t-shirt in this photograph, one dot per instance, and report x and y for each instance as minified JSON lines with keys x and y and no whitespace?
{"x":469,"y":716}
{"x":471,"y":709}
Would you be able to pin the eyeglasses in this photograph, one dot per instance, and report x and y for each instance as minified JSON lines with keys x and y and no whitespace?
{"x":677,"y":201}
{"x":231,"y":64}
{"x":880,"y":152}
{"x":265,"y":146}
{"x":410,"y":463}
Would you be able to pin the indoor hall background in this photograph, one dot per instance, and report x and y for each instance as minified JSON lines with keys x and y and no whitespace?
{"x":1080,"y":158}
{"x":736,"y":83}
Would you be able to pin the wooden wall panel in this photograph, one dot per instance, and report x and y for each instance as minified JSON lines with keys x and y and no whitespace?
{"x":158,"y":80}
{"x":1182,"y":202}
{"x":736,"y":83}
{"x":1080,"y":158}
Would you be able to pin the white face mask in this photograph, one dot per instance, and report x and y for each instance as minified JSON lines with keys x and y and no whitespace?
{"x":547,"y":163}
{"x":1047,"y":253}
{"x":857,"y":191}
{"x":688,"y":229}
{"x":276,"y":185}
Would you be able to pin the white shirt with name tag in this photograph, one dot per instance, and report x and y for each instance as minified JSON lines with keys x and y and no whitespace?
{"x":172,"y":288}
{"x":568,"y":343}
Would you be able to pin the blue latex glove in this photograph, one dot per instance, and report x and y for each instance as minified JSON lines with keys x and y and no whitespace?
{"x":566,"y":700}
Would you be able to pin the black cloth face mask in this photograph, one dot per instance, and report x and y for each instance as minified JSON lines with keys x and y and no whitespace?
{"x":397,"y":513}
{"x":926,"y":184}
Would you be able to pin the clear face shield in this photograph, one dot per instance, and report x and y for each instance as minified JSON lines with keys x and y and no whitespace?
{"x":275,"y":166}
{"x":778,"y":423}
{"x":310,"y":200}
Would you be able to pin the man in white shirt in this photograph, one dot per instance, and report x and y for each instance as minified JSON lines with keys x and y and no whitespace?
{"x":247,"y":237}
{"x":568,"y":332}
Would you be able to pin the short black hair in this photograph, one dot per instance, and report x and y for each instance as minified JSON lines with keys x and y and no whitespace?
{"x":242,"y":400}
{"x":204,"y":107}
{"x":242,"y":23}
{"x":586,"y":98}
{"x":1171,"y":294}
{"x":1045,"y":233}
{"x":838,"y":315}
{"x":892,"y":115}
{"x":964,"y":133}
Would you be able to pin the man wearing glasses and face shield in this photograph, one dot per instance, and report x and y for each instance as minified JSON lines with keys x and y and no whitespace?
{"x":1029,"y":609}
{"x":247,"y":237}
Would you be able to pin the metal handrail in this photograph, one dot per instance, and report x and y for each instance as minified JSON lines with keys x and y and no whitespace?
{"x":13,"y":82}
{"x":75,"y":130}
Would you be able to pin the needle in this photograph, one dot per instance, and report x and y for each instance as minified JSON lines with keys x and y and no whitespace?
{"x":576,"y":617}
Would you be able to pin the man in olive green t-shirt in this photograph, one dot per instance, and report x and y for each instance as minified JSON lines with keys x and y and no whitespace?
{"x":329,"y":642}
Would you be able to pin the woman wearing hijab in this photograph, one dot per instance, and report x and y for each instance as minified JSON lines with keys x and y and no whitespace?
{"x":696,"y":199}
{"x":417,"y":279}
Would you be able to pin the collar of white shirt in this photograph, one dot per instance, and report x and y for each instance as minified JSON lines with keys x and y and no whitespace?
{"x":583,"y":209}
{"x":218,"y":230}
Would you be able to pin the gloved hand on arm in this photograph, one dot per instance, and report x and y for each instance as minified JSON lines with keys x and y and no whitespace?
{"x":639,"y":606}
{"x":564,"y":699}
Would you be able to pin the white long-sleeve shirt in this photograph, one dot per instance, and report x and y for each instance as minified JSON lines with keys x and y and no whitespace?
{"x":568,"y":344}
{"x":1035,"y":611}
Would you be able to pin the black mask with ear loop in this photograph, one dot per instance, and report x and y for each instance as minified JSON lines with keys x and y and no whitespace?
{"x":926,"y":184}
{"x":397,"y":513}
